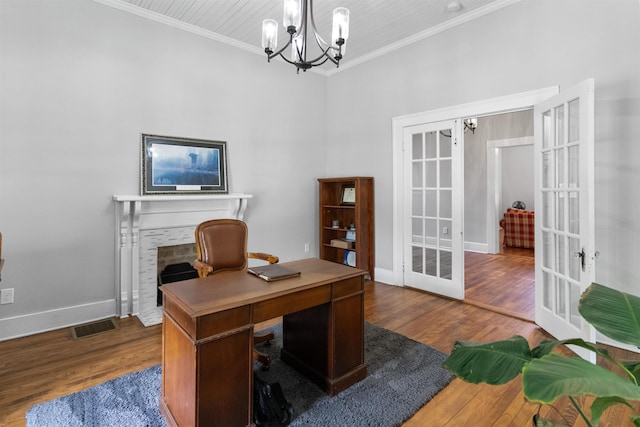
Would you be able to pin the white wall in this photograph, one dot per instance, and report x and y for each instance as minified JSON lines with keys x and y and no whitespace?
{"x":490,"y":128}
{"x":517,"y":176}
{"x":530,"y":45}
{"x":80,"y":81}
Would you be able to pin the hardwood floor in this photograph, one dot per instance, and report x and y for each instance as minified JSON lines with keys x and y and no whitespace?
{"x":41,"y":367}
{"x":503,"y":282}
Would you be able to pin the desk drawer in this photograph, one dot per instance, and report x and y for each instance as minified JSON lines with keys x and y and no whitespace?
{"x":216,"y":323}
{"x":210,"y":325}
{"x":291,"y":303}
{"x":347,"y":287}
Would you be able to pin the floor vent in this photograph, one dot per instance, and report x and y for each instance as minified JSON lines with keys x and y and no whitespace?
{"x":93,"y":328}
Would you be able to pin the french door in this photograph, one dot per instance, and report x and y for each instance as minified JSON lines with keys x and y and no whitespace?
{"x":563,"y":146}
{"x":433,"y":204}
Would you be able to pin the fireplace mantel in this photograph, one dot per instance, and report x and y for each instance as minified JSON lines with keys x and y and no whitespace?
{"x":144,"y":223}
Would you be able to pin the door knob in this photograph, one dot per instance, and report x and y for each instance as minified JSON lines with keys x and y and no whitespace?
{"x":583,"y":256}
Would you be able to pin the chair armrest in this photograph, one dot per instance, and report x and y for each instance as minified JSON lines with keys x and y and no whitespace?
{"x":203,"y":269}
{"x":272,"y":259}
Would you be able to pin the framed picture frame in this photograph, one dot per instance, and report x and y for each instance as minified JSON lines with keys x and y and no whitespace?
{"x":174,"y":165}
{"x":348,"y":195}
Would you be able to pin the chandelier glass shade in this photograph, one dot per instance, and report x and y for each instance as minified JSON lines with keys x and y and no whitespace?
{"x":300,"y":25}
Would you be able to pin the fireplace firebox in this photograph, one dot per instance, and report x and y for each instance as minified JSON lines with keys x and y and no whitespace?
{"x":175,"y":273}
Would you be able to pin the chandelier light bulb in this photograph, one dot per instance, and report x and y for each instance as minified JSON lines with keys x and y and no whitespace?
{"x":340,"y":24}
{"x":291,"y":15}
{"x":269,"y":35}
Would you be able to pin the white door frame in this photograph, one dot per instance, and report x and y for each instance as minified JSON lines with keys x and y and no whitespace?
{"x":494,"y":186}
{"x":503,"y":104}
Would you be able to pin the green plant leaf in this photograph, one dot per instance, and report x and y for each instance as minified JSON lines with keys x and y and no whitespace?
{"x":632,"y":366}
{"x":615,"y":314}
{"x":493,"y":363}
{"x":545,"y":347}
{"x":602,"y":403}
{"x":636,"y":421}
{"x":541,"y":422}
{"x":547,"y":378}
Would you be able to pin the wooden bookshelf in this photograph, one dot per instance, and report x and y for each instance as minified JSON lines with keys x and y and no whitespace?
{"x":360,"y":214}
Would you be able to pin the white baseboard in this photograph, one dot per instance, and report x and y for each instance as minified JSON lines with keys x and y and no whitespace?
{"x":30,"y":324}
{"x":482,"y":248}
{"x":385,"y":276}
{"x":603,"y":339}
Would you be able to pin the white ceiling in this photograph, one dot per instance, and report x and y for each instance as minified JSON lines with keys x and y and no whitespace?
{"x":376,"y":26}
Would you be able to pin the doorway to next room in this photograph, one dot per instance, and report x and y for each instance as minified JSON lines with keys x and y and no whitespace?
{"x":499,"y":278}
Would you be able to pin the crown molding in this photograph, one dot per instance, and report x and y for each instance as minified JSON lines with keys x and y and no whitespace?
{"x":157,"y":17}
{"x":430,"y":32}
{"x":172,"y":22}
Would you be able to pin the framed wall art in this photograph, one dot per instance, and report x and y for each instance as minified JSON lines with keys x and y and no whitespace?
{"x":173,"y":165}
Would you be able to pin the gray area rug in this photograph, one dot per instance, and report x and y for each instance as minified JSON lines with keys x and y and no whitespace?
{"x":403,"y":375}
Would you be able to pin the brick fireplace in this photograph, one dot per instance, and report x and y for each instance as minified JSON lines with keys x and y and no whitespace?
{"x":146,"y":223}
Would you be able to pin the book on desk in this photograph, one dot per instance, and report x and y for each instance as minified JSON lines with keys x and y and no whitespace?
{"x":273,"y":272}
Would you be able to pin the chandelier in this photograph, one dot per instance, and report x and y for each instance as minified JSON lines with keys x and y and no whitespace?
{"x":299,"y":22}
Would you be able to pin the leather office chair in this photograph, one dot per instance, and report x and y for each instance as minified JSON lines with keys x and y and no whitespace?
{"x":221,"y":245}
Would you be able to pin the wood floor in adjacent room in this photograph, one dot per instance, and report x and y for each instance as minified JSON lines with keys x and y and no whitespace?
{"x":41,"y":367}
{"x":503,"y":282}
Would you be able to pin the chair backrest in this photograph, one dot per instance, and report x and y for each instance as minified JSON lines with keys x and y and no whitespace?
{"x":222,"y":243}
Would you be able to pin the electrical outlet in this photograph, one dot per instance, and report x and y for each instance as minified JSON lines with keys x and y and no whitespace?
{"x":306,"y":247}
{"x":445,"y":230}
{"x":6,"y":296}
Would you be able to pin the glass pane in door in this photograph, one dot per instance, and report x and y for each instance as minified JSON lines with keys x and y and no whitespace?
{"x":416,"y":146}
{"x":574,"y":120}
{"x":430,"y":231}
{"x":417,"y":174}
{"x":431,"y":147}
{"x":417,"y":259}
{"x":417,"y":231}
{"x":445,"y":264}
{"x":546,"y":130}
{"x":431,"y":262}
{"x":417,"y":207}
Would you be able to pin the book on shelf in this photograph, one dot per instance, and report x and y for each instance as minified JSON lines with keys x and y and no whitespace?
{"x":342,"y":243}
{"x":273,"y":272}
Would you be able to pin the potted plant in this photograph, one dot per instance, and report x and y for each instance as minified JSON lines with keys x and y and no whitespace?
{"x":547,"y":375}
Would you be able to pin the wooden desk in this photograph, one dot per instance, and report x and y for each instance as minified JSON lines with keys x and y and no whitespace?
{"x":207,"y":338}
